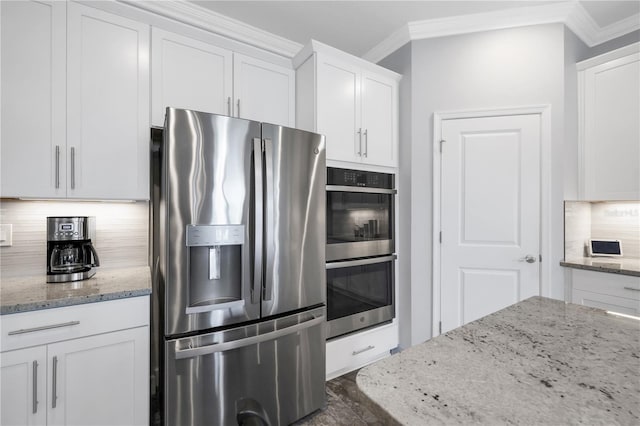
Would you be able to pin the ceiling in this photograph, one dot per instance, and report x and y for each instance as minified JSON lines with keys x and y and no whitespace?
{"x":359,"y":26}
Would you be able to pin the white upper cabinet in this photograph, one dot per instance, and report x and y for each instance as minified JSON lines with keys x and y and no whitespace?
{"x":339,"y":108}
{"x":32,"y":151}
{"x":263,"y":91}
{"x":379,"y":112}
{"x":191,"y":74}
{"x":108,"y":105}
{"x":75,"y":103}
{"x":609,"y":100}
{"x":352,"y":102}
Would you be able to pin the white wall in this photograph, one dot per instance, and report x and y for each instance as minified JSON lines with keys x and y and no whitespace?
{"x":513,"y":67}
{"x":505,"y":68}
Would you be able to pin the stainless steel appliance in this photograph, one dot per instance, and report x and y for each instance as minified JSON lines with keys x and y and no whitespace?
{"x":238,"y":271}
{"x":360,"y":249}
{"x":70,"y":252}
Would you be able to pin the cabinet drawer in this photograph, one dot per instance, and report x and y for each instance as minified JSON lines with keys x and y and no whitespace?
{"x":606,"y":283}
{"x":348,"y":353}
{"x":71,"y":322}
{"x":609,"y":303}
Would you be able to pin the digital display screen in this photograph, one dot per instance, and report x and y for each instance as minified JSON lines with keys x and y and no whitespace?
{"x":66,"y":227}
{"x":611,"y":248}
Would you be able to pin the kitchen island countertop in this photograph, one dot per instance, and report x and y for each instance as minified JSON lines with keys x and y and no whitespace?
{"x":540,"y":361}
{"x":23,"y":294}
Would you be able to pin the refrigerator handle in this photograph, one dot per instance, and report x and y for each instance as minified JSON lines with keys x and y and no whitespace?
{"x":269,"y":219}
{"x":256,"y":282}
{"x":314,"y":318}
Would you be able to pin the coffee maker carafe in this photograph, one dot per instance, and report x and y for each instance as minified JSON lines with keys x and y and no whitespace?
{"x":70,"y":252}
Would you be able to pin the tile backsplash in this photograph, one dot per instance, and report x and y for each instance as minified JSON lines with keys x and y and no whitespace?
{"x":122,"y":233}
{"x":618,"y":220}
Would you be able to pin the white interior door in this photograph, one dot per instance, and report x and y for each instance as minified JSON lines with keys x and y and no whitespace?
{"x":490,"y":215}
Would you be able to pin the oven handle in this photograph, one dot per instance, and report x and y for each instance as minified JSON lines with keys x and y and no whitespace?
{"x":343,"y":188}
{"x":360,"y":262}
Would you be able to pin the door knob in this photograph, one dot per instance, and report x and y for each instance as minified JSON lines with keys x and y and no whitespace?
{"x":528,"y":258}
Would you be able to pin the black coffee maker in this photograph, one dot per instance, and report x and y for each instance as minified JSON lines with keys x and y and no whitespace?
{"x":70,"y":253}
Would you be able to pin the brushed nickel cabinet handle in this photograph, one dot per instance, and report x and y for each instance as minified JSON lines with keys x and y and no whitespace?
{"x":73,"y":168}
{"x":368,"y":348}
{"x":359,"y":141}
{"x":229,"y":106}
{"x":57,"y":166}
{"x":54,"y":385}
{"x":35,"y":387}
{"x":631,"y":288}
{"x":44,"y":327}
{"x":238,"y":111}
{"x":366,"y":142}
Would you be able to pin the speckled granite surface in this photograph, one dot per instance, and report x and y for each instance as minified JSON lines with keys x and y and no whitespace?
{"x":622,"y":266}
{"x":539,"y":362}
{"x":25,"y":294}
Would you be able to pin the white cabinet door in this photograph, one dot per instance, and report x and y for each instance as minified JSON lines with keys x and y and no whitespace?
{"x":263,"y":91}
{"x":108,"y":105}
{"x":100,"y":380}
{"x":23,"y":386}
{"x":379,"y":120}
{"x":338,"y":93}
{"x":189,"y":74}
{"x":33,"y":99}
{"x":611,"y":140}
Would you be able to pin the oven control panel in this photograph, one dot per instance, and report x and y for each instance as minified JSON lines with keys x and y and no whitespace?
{"x":349,"y":177}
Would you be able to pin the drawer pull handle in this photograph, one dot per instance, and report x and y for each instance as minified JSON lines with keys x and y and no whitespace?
{"x":368,"y":348}
{"x":44,"y":327}
{"x":631,"y":288}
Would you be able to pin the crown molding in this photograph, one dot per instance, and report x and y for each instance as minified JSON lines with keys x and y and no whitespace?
{"x":208,"y":20}
{"x":620,"y":28}
{"x":570,"y":13}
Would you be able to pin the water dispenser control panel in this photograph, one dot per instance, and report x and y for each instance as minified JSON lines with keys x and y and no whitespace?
{"x":214,"y":235}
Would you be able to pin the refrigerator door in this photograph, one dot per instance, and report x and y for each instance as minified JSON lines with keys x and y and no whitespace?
{"x":206,"y":220}
{"x":294,"y":219}
{"x":270,"y":373}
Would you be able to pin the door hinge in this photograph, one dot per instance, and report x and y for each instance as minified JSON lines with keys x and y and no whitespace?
{"x":540,"y":257}
{"x":440,"y":237}
{"x":440,"y":327}
{"x":441,"y":142}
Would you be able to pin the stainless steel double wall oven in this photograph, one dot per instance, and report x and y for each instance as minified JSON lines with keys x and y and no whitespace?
{"x":360,"y":249}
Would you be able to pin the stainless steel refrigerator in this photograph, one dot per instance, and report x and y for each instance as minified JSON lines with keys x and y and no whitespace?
{"x":238,"y":265}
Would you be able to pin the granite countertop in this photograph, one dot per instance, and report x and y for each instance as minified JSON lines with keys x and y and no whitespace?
{"x":23,"y":294}
{"x":540,"y":361}
{"x":622,"y":265}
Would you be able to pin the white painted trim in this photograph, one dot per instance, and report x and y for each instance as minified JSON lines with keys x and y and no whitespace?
{"x":545,"y":193}
{"x":620,"y":28}
{"x":203,"y":18}
{"x":609,"y":56}
{"x":570,"y":13}
{"x":315,"y":46}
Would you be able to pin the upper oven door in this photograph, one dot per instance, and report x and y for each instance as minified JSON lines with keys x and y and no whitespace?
{"x":359,"y":222}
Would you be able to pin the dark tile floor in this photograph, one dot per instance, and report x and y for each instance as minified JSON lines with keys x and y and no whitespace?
{"x":342,"y":407}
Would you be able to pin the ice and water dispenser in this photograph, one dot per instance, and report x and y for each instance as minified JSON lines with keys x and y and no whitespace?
{"x":215,"y":266}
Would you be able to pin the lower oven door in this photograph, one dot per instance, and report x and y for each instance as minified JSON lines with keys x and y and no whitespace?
{"x":360,"y":293}
{"x":270,"y":373}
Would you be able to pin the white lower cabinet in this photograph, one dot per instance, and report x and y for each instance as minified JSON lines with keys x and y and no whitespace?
{"x":609,"y":291}
{"x":79,"y":374}
{"x":345,"y":354}
{"x":22,"y":386}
